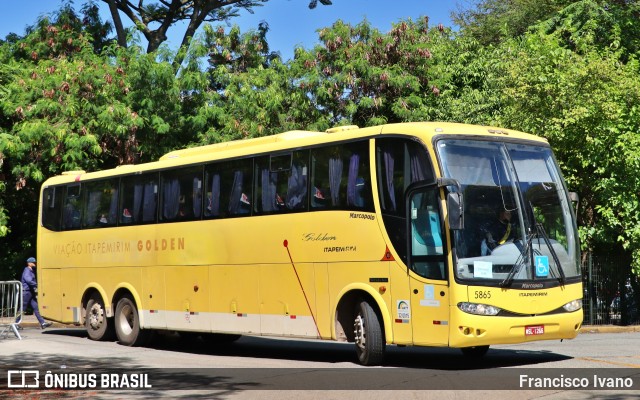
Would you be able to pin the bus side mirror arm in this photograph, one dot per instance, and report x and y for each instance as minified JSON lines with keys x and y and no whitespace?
{"x":455,"y":203}
{"x":573,"y":197}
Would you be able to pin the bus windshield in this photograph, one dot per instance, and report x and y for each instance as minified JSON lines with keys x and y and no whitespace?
{"x":518,"y":224}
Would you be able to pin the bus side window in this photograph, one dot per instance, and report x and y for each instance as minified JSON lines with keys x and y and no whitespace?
{"x":427,"y":256}
{"x":237,"y":186}
{"x":139,"y":199}
{"x":71,"y":212}
{"x":399,"y":163}
{"x":266,"y":183}
{"x":359,"y":194}
{"x":340,"y":177}
{"x":101,"y":203}
{"x":52,"y":207}
{"x":212,"y":190}
{"x":181,"y":194}
{"x":296,"y":198}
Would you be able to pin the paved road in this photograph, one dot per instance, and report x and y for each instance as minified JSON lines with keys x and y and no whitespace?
{"x":279,"y":363}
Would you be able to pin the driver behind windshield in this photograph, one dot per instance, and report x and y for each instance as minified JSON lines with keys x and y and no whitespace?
{"x":498,"y":231}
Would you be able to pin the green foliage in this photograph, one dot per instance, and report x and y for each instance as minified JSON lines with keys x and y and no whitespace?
{"x":493,"y":21}
{"x":362,"y":76}
{"x":569,"y":85}
{"x":65,"y":107}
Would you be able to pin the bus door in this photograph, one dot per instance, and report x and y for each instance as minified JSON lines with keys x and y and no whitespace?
{"x":428,"y":272}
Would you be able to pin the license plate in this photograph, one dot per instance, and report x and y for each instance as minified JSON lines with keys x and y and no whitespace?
{"x":534,"y":330}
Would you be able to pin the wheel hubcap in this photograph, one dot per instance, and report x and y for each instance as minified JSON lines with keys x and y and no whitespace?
{"x":126,"y":320}
{"x":96,"y":316}
{"x":359,"y":333}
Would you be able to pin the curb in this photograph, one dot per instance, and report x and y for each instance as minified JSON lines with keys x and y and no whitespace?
{"x":609,"y":329}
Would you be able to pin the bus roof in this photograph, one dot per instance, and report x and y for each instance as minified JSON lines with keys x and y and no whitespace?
{"x":292,"y":140}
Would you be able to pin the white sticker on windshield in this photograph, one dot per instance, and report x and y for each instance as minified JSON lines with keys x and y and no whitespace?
{"x":482,"y":269}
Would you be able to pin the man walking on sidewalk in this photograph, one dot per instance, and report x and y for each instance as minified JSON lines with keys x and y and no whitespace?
{"x":29,"y":291}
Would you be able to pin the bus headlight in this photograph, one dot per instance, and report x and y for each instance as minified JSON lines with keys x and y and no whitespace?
{"x":573,"y":305}
{"x":478,"y":309}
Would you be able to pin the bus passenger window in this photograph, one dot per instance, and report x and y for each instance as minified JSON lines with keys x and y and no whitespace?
{"x":181,"y":194}
{"x":340,"y":177}
{"x":266,"y":187}
{"x":212,"y":190}
{"x":297,"y":182}
{"x":400,"y":162}
{"x":228,"y":188}
{"x":100,"y":208}
{"x":71,"y":212}
{"x":139,"y":199}
{"x":281,"y":182}
{"x":52,"y":207}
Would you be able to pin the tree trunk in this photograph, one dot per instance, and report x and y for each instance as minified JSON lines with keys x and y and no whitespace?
{"x":117,"y":22}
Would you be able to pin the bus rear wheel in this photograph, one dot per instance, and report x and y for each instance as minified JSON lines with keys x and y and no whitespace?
{"x":368,"y":335}
{"x":127,"y":323}
{"x":98,"y":326}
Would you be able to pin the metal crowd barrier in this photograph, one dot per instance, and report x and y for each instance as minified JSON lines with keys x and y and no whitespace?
{"x":10,"y":308}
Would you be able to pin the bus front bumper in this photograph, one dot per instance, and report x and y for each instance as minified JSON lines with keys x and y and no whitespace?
{"x":469,"y":330}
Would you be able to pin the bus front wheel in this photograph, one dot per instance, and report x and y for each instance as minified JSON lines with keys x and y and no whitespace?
{"x":97,"y":324}
{"x":369,"y":338}
{"x":127,"y":323}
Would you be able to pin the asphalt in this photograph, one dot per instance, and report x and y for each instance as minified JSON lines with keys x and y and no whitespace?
{"x":31,"y":321}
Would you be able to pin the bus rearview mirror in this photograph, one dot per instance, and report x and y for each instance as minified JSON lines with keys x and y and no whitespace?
{"x":454,"y":210}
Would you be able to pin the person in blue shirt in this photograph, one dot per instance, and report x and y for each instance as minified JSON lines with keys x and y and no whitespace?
{"x":29,"y":291}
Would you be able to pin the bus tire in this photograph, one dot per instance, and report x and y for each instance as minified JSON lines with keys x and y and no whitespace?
{"x":98,"y":326}
{"x":127,"y":323}
{"x":475,"y":352}
{"x":369,"y":337}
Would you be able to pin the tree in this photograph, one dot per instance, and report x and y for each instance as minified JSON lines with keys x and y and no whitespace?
{"x":164,"y":14}
{"x":359,"y":75}
{"x":492,"y":21}
{"x":569,"y":85}
{"x":64,"y":107}
{"x":249,"y":91}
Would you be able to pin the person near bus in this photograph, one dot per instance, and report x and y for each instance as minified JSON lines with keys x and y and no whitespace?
{"x":497,"y":232}
{"x":29,"y":291}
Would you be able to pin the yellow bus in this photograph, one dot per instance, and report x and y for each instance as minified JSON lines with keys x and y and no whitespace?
{"x":376,"y":236}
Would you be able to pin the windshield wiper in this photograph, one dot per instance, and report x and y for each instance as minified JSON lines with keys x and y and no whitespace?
{"x":524,"y":252}
{"x":543,"y":233}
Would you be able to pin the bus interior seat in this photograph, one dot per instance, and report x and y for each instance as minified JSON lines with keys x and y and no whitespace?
{"x":425,"y":231}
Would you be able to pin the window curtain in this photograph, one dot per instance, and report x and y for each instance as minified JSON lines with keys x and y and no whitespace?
{"x":113,"y":206}
{"x":149,"y":202}
{"x":213,"y":202}
{"x":91,"y":219}
{"x":268,"y":183}
{"x":389,"y":165}
{"x":197,"y":197}
{"x":335,"y":178}
{"x":296,"y":188}
{"x":352,"y":196}
{"x":236,"y":193}
{"x":138,"y":190}
{"x":417,"y":166}
{"x":171,"y":199}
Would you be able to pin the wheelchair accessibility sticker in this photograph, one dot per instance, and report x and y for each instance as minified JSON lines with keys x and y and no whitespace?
{"x":542,"y":266}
